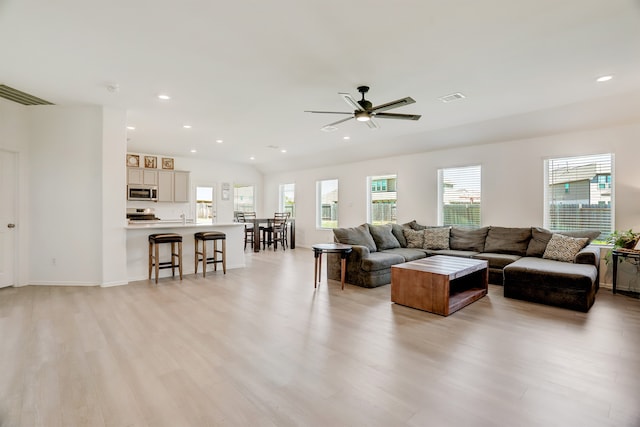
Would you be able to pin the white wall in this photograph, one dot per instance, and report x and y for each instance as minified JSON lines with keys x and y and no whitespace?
{"x":14,"y":137}
{"x":65,"y":197}
{"x":512,"y":176}
{"x":114,"y":181}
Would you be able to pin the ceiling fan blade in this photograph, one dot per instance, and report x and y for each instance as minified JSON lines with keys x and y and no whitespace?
{"x":352,"y":102}
{"x":338,"y":122}
{"x":393,"y":104}
{"x":326,"y":112}
{"x":372,"y":124}
{"x":397,"y":116}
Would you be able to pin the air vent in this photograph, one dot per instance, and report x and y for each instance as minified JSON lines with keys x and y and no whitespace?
{"x":452,"y":97}
{"x":15,"y":95}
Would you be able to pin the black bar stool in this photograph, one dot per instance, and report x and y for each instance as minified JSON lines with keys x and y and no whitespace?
{"x":201,"y":254}
{"x":155,"y":240}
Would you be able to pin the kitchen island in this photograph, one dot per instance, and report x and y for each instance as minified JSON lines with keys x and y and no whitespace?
{"x":138,"y":245}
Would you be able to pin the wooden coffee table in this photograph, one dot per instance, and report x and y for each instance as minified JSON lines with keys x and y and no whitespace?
{"x":439,"y":284}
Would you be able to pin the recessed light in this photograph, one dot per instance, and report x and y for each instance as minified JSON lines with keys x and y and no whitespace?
{"x":604,"y":79}
{"x":283,"y":150}
{"x":219,"y":141}
{"x":164,"y":97}
{"x":252,"y":158}
{"x":193,"y":150}
{"x":131,"y":127}
{"x":346,"y":137}
{"x":187,"y":126}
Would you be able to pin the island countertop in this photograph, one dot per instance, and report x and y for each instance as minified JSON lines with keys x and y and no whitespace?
{"x":139,"y":225}
{"x":138,"y":245}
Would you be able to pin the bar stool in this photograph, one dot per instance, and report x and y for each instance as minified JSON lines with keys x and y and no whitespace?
{"x":155,"y":240}
{"x":201,"y":254}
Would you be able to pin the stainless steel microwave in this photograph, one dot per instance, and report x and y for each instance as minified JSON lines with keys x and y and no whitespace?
{"x":142,"y":192}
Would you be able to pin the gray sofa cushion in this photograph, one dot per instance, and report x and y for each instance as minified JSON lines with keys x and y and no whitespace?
{"x":497,"y":260}
{"x":409,"y":254}
{"x":383,"y":236}
{"x":503,"y":240}
{"x":540,"y":238}
{"x":468,"y":239}
{"x":465,"y":254}
{"x":396,"y":229}
{"x":415,"y":226}
{"x":538,"y":243}
{"x":355,"y":236}
{"x":380,"y":261}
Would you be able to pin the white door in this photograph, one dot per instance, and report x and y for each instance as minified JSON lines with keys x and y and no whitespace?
{"x":8,"y":193}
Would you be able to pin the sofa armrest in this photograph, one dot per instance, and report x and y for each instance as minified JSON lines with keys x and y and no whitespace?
{"x":354,"y":261}
{"x":358,"y":253}
{"x":589,"y":255}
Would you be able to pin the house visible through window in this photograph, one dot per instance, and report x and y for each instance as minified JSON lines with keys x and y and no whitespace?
{"x":244,"y":198}
{"x":579,"y":193}
{"x":287,"y":199}
{"x":459,"y":196}
{"x":327,"y":203}
{"x":382,"y":199}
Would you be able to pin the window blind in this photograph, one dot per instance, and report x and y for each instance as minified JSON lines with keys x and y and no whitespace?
{"x":460,"y":196}
{"x":579,"y":193}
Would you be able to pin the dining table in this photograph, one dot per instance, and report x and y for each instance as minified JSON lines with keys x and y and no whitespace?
{"x":291,"y":223}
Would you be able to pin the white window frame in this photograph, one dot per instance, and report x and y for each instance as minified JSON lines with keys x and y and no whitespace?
{"x":253,"y":207}
{"x":282,"y":198}
{"x":472,"y":192}
{"x":320,"y":224}
{"x":371,"y":196}
{"x":577,"y":168}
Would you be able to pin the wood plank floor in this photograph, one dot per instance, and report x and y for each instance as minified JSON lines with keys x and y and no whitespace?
{"x":260,"y":347}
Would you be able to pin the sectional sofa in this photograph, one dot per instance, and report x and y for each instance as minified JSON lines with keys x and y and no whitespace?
{"x":532,"y":263}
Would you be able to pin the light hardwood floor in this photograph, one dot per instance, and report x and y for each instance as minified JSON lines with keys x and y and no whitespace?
{"x":260,"y":347}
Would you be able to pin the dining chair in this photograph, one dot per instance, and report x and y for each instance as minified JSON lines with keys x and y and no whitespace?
{"x":249,"y":233}
{"x":276,"y":232}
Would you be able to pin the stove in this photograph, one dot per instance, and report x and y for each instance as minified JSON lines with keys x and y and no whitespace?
{"x":141,"y":214}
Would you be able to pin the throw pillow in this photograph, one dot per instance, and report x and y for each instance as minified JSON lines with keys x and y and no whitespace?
{"x":415,"y":226}
{"x":415,"y":238}
{"x":383,"y":236}
{"x":396,"y":229}
{"x":564,"y":248}
{"x":436,"y":238}
{"x":355,"y":236}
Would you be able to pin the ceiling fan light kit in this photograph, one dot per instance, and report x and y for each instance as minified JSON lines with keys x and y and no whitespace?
{"x":364,"y":111}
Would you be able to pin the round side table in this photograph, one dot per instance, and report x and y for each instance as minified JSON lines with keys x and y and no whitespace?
{"x":330,"y":248}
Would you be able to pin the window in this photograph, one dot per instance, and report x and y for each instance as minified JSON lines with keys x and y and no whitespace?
{"x":459,"y":196}
{"x":579,"y":193}
{"x":243,"y":198}
{"x":327,"y":203}
{"x":382,"y":199}
{"x":287,"y":199}
{"x":205,"y":212}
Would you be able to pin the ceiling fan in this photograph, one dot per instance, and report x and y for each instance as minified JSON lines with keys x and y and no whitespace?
{"x":365,"y":111}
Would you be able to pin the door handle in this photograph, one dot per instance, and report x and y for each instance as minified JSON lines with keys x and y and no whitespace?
{"x":11,"y":226}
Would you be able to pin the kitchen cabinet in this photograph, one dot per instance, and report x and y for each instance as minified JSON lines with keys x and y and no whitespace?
{"x":140,"y":176}
{"x":173,"y":186}
{"x":181,"y":187}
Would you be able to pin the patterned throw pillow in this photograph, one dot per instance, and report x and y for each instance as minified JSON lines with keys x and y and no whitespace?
{"x":415,"y":239}
{"x":436,"y":238}
{"x":564,"y":248}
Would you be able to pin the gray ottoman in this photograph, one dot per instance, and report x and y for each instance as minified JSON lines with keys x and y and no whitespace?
{"x":556,"y":283}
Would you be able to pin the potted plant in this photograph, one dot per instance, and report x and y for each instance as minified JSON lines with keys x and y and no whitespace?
{"x":622,"y":239}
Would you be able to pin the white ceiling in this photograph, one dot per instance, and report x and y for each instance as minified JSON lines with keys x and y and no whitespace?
{"x":245,"y":71}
